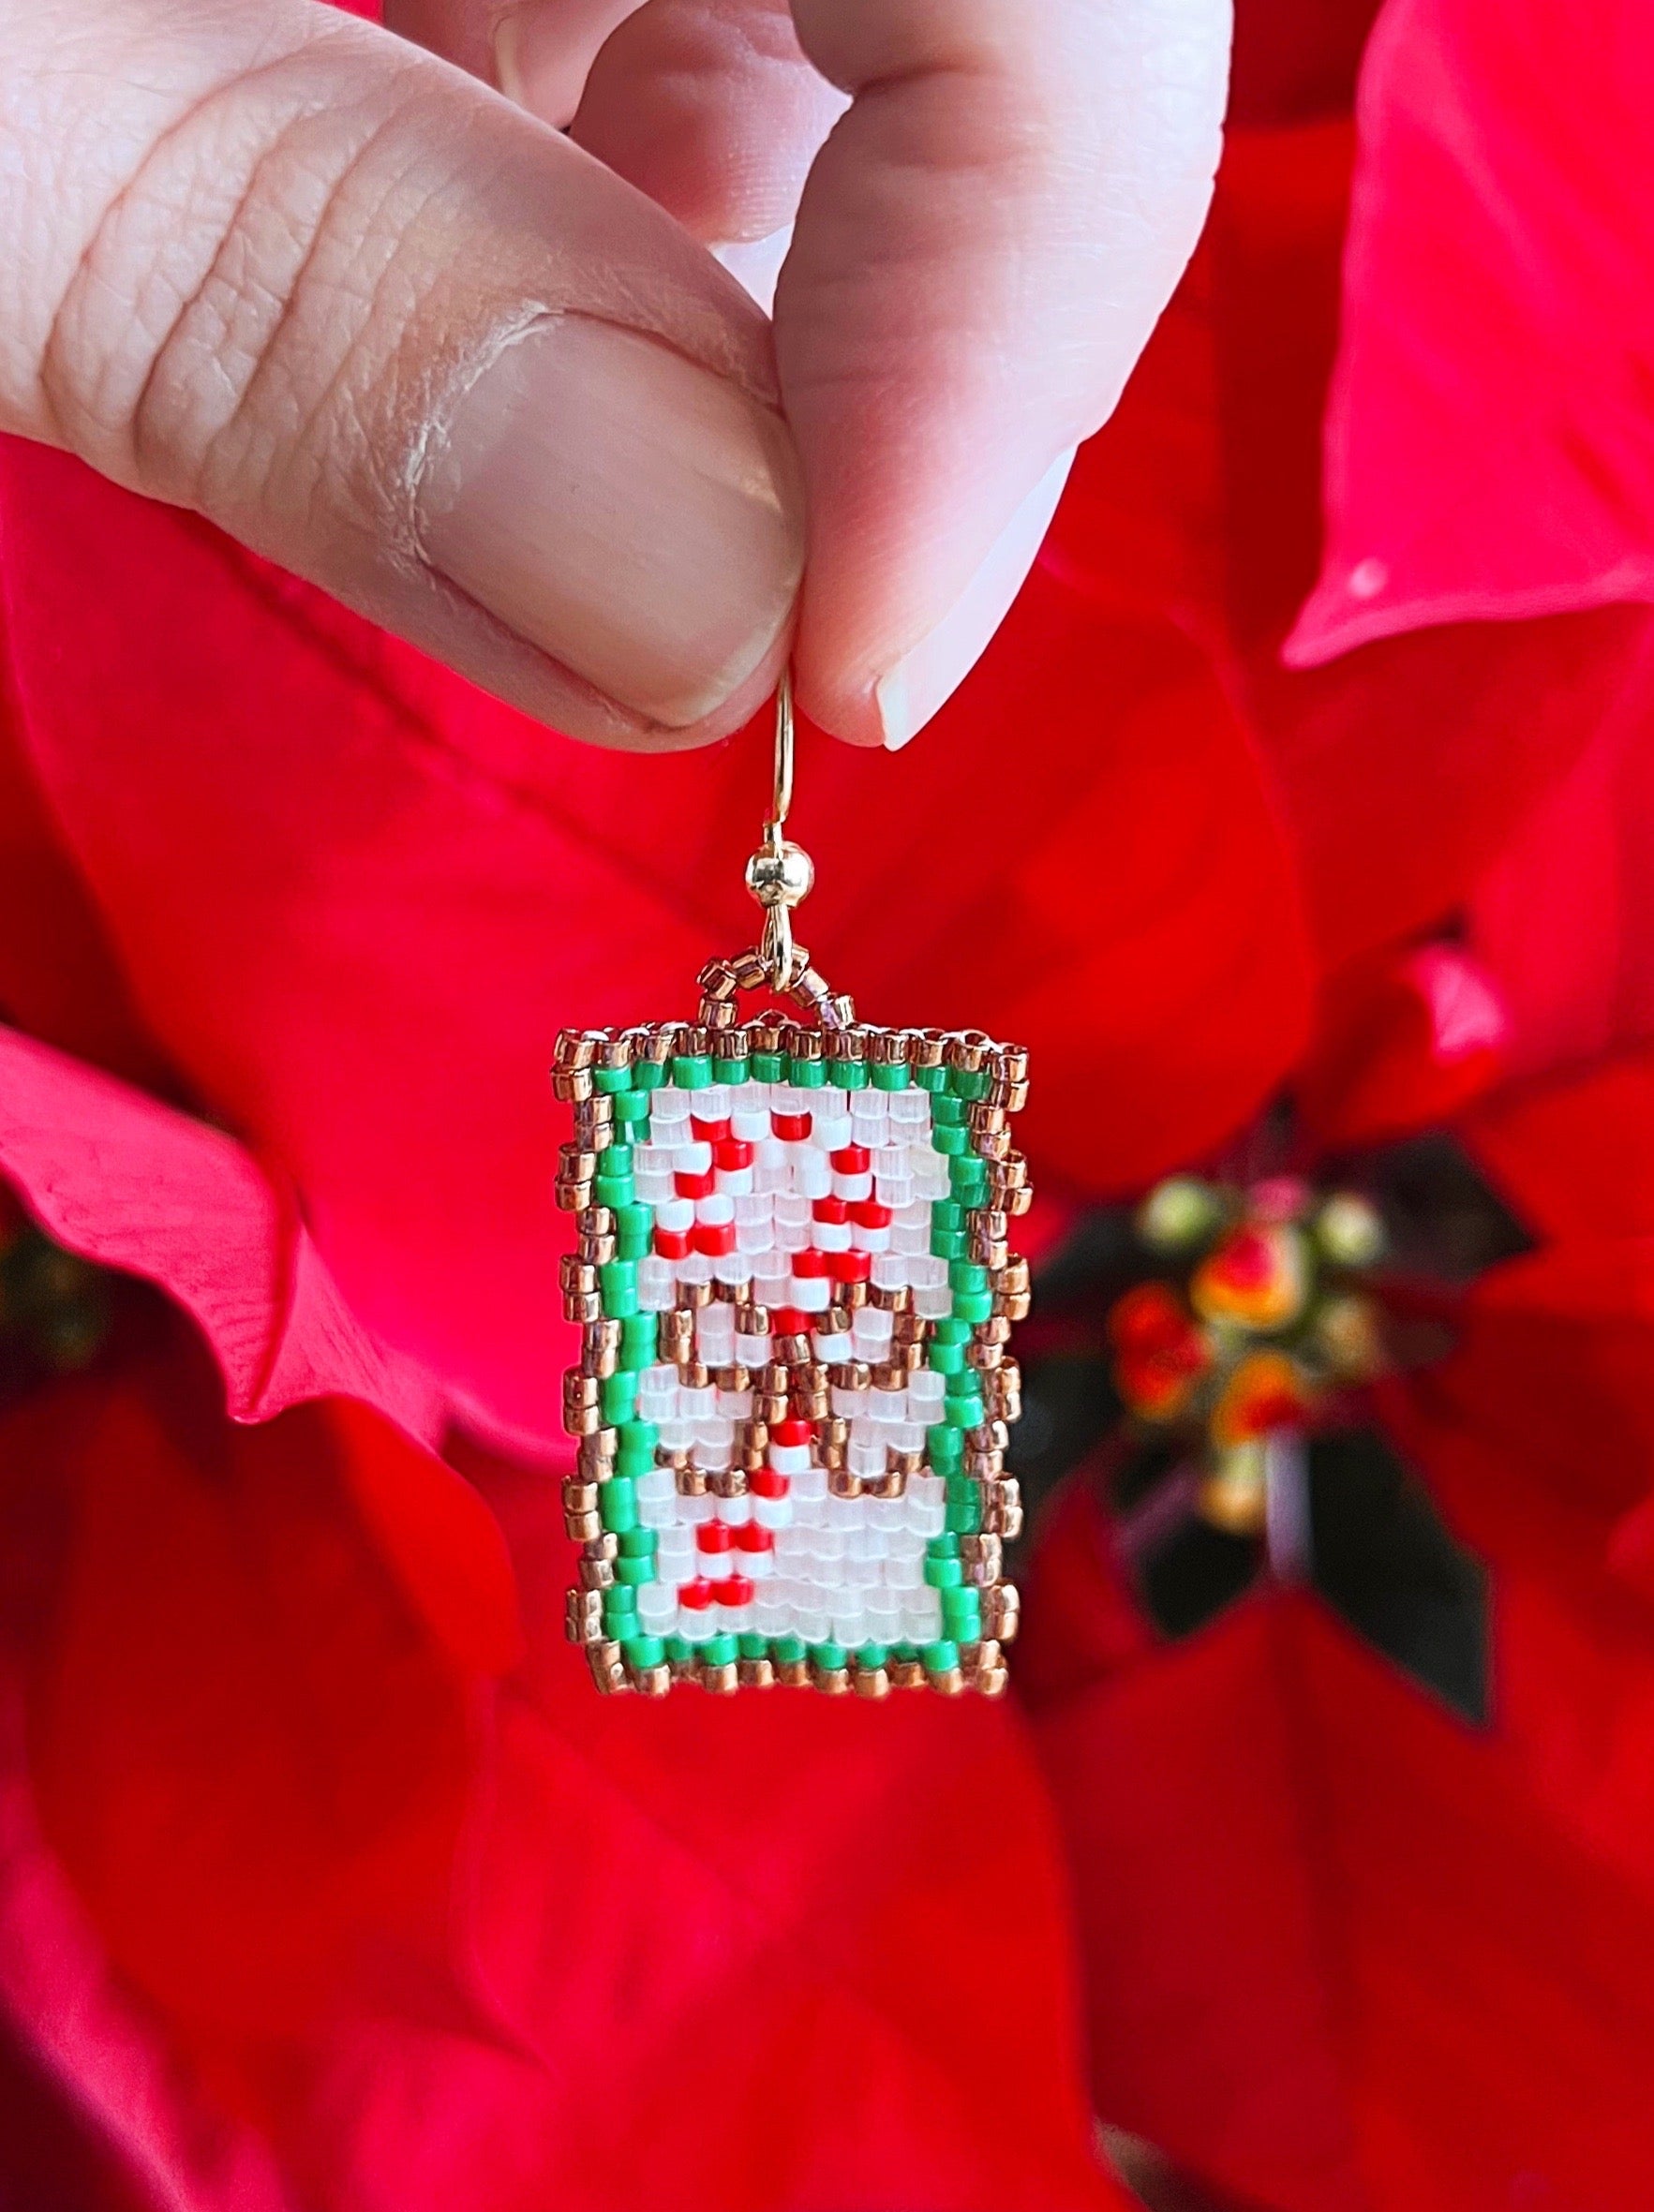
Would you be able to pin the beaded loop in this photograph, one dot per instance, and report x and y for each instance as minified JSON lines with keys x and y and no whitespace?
{"x":723,"y":981}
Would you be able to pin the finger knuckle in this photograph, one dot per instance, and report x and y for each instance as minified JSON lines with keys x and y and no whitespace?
{"x":216,"y":342}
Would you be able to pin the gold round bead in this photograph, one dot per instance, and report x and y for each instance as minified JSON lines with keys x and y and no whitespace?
{"x":780,"y":875}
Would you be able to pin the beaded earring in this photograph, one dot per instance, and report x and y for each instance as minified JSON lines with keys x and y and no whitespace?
{"x":794,"y":1290}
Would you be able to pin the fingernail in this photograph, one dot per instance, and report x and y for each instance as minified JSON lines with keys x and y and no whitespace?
{"x":756,"y":264}
{"x":925,"y":678}
{"x":635,"y":516}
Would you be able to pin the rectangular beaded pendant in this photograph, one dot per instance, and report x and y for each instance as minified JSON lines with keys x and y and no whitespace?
{"x":795,"y":1289}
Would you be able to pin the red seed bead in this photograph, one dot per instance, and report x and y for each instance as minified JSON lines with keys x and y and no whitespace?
{"x":694,"y":1186}
{"x":788,"y":1433}
{"x":714,"y":1536}
{"x":714,"y":1238}
{"x":852,"y":1159}
{"x":791,"y":1128}
{"x":697,"y":1595}
{"x":866,"y":1213}
{"x":788,"y":1321}
{"x":810,"y":1261}
{"x":732,"y":1154}
{"x":764,"y":1482}
{"x":672,"y":1243}
{"x":830,"y":1209}
{"x":849,"y":1266}
{"x":708,"y":1132}
{"x":734,"y":1590}
{"x":752,"y":1535}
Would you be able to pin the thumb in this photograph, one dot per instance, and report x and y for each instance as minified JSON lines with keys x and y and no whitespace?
{"x":269,"y":263}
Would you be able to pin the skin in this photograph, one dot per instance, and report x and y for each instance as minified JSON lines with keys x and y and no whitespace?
{"x":254,"y":254}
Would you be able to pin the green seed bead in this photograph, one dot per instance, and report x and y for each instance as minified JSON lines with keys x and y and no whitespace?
{"x":612,"y":1079}
{"x":952,"y":1143}
{"x":965,"y":1413}
{"x":893,"y":1074}
{"x":968,"y":1082}
{"x":640,"y":1543}
{"x":753,"y":1647}
{"x":618,"y":1397}
{"x":830,"y":1655}
{"x":973,"y":1305}
{"x":720,"y":1650}
{"x":947,"y":1213}
{"x":644,"y":1651}
{"x":640,"y":1340}
{"x":965,"y":1514}
{"x":947,"y":1112}
{"x":678,"y":1648}
{"x":633,"y":1571}
{"x":634,"y":1228}
{"x":632,"y":1112}
{"x":730,"y":1071}
{"x":617,"y":1502}
{"x":647,"y":1074}
{"x":693,"y":1070}
{"x":617,"y":1282}
{"x":931,"y":1079}
{"x":949,"y":1244}
{"x":808,"y":1074}
{"x":789,"y":1650}
{"x":969,"y":1180}
{"x":873,"y":1654}
{"x":946,"y":1358}
{"x":619,"y":1609}
{"x":946,"y":1547}
{"x":939,"y":1657}
{"x":636,"y":1453}
{"x":949,"y":1331}
{"x":615,"y":1191}
{"x":945,"y":1574}
{"x":769,"y":1067}
{"x":966,"y":1274}
{"x":961,"y":1614}
{"x":945,"y":1448}
{"x":849,"y":1075}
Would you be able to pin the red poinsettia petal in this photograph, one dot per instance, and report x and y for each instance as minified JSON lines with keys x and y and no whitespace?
{"x":58,"y":975}
{"x":137,"y":1187}
{"x":1402,"y":770}
{"x":1404,"y":1040}
{"x":1488,"y":444}
{"x":1538,"y":1431}
{"x":1574,"y":1155}
{"x":1317,"y":1971}
{"x":151,"y":2133}
{"x":1565,"y":918}
{"x":247,"y":1748}
{"x":133,"y":1185}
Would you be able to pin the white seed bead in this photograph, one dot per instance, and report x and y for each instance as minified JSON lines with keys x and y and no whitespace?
{"x":657,"y":1609}
{"x":921,"y":1614}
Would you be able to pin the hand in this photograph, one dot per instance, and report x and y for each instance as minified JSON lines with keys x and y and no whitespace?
{"x":483,"y":381}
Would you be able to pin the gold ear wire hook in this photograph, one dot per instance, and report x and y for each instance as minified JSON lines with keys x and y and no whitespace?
{"x":782,"y":802}
{"x":779,"y":874}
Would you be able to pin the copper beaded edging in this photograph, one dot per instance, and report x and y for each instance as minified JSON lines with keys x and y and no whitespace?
{"x":793,"y":1385}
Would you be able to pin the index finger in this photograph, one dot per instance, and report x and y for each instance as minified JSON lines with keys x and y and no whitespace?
{"x":983,"y":246}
